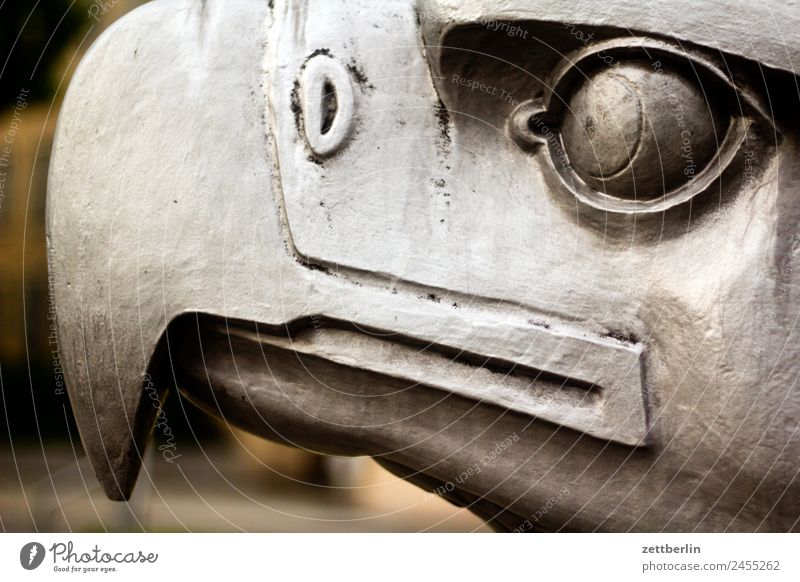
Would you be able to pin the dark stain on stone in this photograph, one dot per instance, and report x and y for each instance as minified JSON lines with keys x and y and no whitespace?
{"x":294,"y":105}
{"x":625,"y":337}
{"x":320,"y":51}
{"x":359,"y":75}
{"x":315,"y":267}
{"x":444,"y":122}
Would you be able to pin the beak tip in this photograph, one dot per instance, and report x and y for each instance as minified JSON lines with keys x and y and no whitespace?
{"x":117,"y":476}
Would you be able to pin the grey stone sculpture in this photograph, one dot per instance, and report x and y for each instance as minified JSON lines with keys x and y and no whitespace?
{"x":540,"y":257}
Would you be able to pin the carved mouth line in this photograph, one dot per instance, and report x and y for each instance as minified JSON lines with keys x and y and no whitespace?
{"x":299,"y":330}
{"x":603,"y":397}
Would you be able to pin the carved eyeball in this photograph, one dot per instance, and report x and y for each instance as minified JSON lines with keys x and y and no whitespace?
{"x":650,"y":131}
{"x":636,"y":133}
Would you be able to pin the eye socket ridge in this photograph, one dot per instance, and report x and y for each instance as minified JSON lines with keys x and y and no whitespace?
{"x":640,"y":135}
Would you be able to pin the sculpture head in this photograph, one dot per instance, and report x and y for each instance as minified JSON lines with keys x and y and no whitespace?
{"x":552,"y":250}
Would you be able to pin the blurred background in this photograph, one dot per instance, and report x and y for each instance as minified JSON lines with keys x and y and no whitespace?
{"x":228,"y":480}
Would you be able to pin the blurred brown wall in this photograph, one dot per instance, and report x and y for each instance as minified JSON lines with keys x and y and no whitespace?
{"x":30,"y":381}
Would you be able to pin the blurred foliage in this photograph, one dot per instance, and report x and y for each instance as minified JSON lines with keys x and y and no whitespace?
{"x":36,"y":32}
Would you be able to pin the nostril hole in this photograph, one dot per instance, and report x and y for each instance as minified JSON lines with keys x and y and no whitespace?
{"x":329,"y":107}
{"x":327,"y":104}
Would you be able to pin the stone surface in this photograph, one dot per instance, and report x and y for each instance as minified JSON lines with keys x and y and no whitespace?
{"x":355,"y":227}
